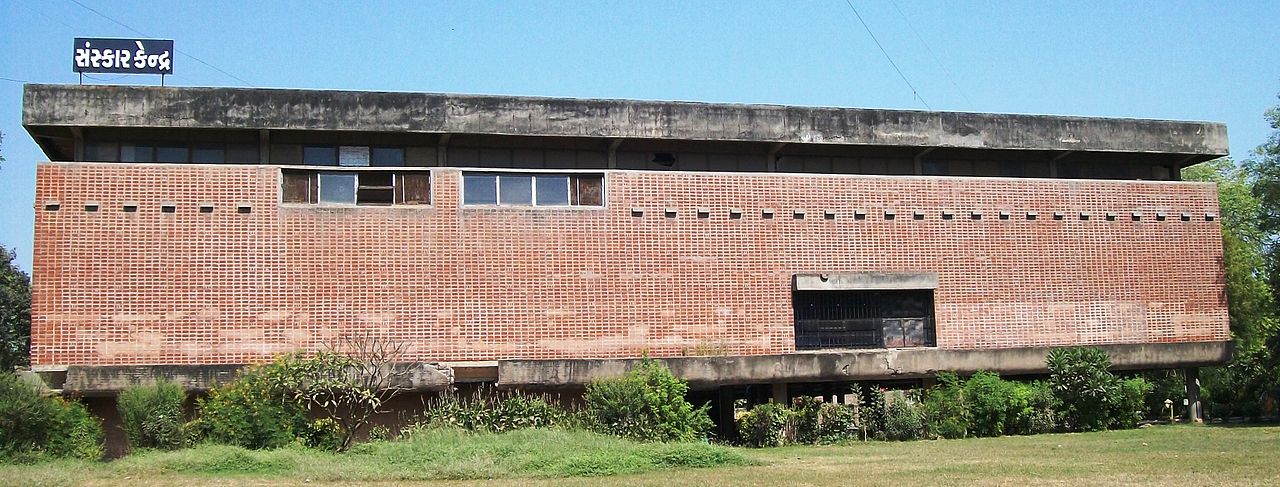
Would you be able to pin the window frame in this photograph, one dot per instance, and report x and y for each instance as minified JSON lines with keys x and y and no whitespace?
{"x":398,"y":186}
{"x":568,"y":174}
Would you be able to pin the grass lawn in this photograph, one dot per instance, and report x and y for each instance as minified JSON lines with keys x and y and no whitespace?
{"x":1162,"y":455}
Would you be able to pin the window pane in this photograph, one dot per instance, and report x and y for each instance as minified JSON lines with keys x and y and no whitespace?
{"x":101,"y":152}
{"x":589,"y":190}
{"x":553,"y":190}
{"x":171,"y":154}
{"x":320,"y":156}
{"x":415,"y":189}
{"x":338,"y":188}
{"x":480,"y":189}
{"x":386,"y":156}
{"x":515,"y":190}
{"x":242,"y":153}
{"x":298,"y":187}
{"x":208,"y":155}
{"x":136,"y":153}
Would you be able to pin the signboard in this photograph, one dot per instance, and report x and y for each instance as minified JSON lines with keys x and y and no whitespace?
{"x":126,"y":56}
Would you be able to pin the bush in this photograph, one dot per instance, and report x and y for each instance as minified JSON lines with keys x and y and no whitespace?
{"x":764,"y":425}
{"x":493,"y":411}
{"x":944,"y":408}
{"x":257,"y":409}
{"x":903,"y":421}
{"x":992,"y":403}
{"x":646,"y":404}
{"x":1084,"y":386}
{"x":1041,"y":412}
{"x":836,"y":423}
{"x":872,"y":412}
{"x":152,"y":415}
{"x":31,"y":424}
{"x":806,"y":418}
{"x":1130,"y":403}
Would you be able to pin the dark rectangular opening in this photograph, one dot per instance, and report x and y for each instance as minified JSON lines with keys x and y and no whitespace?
{"x":863,"y":319}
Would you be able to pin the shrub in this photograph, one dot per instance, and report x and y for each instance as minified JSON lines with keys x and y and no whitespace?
{"x":992,"y":403}
{"x":257,"y":409}
{"x":903,"y":420}
{"x":1041,"y":412}
{"x":152,"y":415}
{"x":646,"y":404}
{"x":1084,"y":386}
{"x":806,"y":418}
{"x":31,"y":424}
{"x":944,"y":408}
{"x":1130,"y":403}
{"x":764,"y":425}
{"x":872,"y":412}
{"x":836,"y":423}
{"x":493,"y":411}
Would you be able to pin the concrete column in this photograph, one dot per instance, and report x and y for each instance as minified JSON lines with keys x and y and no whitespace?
{"x":1194,"y":412}
{"x":264,"y":147}
{"x":780,"y":393}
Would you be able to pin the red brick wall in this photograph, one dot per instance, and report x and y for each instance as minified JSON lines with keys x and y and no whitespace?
{"x":480,"y":284}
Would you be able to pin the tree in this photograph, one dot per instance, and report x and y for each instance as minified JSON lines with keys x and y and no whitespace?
{"x":15,"y":313}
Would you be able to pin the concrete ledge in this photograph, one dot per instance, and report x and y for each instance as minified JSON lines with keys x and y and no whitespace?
{"x":292,"y":109}
{"x":108,"y":380}
{"x":866,"y":281}
{"x":706,"y":372}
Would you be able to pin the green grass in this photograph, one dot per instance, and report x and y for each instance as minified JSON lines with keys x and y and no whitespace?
{"x":429,"y":455}
{"x":1162,"y":455}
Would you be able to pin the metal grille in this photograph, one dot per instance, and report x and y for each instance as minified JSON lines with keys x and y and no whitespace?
{"x":863,"y":319}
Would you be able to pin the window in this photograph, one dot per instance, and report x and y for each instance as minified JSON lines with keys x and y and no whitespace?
{"x":523,"y":189}
{"x":170,"y":152}
{"x":365,"y":188}
{"x":320,"y":155}
{"x":844,"y":319}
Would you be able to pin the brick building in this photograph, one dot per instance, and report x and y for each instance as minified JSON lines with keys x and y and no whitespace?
{"x":540,"y":242}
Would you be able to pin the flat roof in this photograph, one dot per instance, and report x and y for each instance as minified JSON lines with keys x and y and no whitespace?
{"x":50,"y":110}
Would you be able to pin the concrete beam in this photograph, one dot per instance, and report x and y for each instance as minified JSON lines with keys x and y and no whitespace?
{"x":866,"y":281}
{"x":287,"y":109}
{"x":109,"y":380}
{"x":911,"y":363}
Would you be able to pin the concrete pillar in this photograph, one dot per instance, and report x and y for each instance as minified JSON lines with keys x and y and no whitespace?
{"x":780,"y":393}
{"x":1194,"y":412}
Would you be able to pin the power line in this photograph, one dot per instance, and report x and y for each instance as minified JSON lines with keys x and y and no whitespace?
{"x":950,"y":77}
{"x":14,"y":80}
{"x":914,"y":92}
{"x":179,"y":51}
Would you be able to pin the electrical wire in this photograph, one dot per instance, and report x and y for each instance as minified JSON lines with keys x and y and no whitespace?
{"x":914,"y":92}
{"x":179,"y":51}
{"x":2,"y":78}
{"x":950,"y":77}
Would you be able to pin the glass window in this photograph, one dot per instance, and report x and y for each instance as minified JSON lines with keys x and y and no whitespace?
{"x":171,"y":153}
{"x":208,"y":154}
{"x":320,"y":155}
{"x":515,"y":190}
{"x":137,"y":153}
{"x":242,"y":153}
{"x":386,"y":156}
{"x":480,"y":189}
{"x":552,"y":190}
{"x":102,"y":151}
{"x":337,"y":187}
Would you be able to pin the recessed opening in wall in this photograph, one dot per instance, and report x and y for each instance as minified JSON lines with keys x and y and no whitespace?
{"x":532,"y":189}
{"x":91,"y":206}
{"x":206,"y":208}
{"x":129,"y":207}
{"x":843,"y":319}
{"x":948,"y":215}
{"x":52,"y":206}
{"x":365,"y":188}
{"x":168,"y":208}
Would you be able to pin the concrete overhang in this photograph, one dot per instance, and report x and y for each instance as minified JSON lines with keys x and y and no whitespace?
{"x":88,"y":380}
{"x":866,"y":281}
{"x":856,"y":365}
{"x":50,"y":111}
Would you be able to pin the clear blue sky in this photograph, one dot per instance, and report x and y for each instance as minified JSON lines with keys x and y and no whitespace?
{"x":1217,"y":61}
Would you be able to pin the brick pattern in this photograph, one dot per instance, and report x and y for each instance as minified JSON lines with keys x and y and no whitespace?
{"x":461,"y":283}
